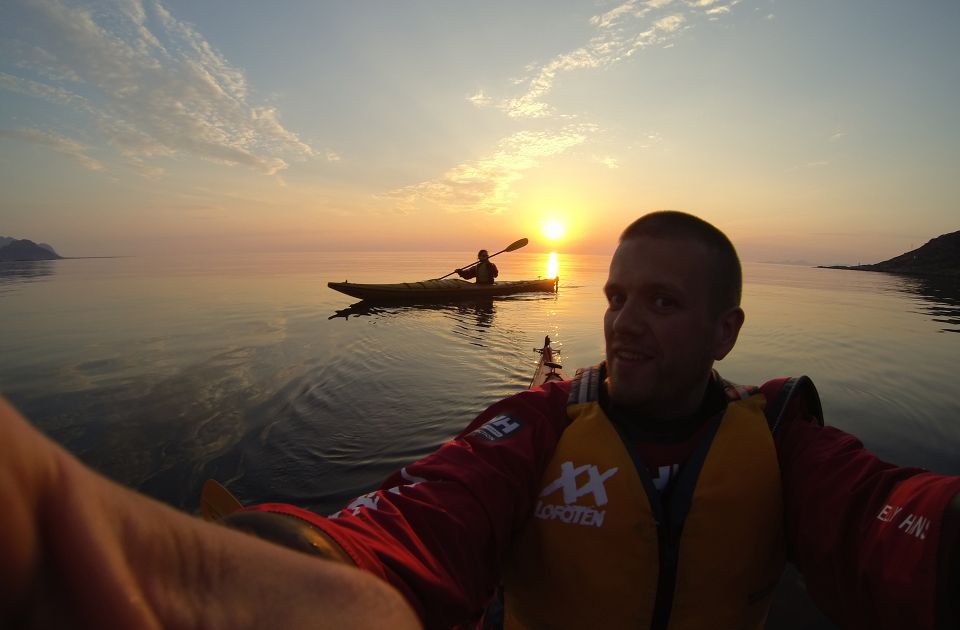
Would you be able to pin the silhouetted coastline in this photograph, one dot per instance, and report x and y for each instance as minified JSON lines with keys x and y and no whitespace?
{"x":24,"y":250}
{"x":940,"y":257}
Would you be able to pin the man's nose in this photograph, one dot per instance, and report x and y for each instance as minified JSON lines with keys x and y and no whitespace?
{"x":631,"y":318}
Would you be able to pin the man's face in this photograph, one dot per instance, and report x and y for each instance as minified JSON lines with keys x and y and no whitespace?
{"x":661,"y":328}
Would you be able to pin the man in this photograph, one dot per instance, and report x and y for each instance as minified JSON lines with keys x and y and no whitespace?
{"x":484,"y":270}
{"x":648,"y":492}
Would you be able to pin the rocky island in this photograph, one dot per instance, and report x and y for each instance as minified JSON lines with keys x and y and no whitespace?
{"x":13,"y":250}
{"x":939,"y":257}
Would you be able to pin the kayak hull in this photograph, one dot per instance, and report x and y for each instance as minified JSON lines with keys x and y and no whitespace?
{"x":440,"y":290}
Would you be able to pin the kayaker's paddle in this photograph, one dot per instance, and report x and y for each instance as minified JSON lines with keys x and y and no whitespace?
{"x":512,"y":247}
{"x":216,"y":501}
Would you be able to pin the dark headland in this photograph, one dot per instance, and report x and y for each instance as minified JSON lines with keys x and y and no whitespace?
{"x":939,"y":257}
{"x":15,"y":250}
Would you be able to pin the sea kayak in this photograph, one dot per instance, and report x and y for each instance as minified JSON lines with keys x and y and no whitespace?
{"x":548,"y":368}
{"x":441,"y":290}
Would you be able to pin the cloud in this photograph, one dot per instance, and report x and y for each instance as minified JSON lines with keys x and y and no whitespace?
{"x":486,"y":184}
{"x":608,"y":161}
{"x":723,"y":9}
{"x":480,"y":99}
{"x":650,"y":139}
{"x":50,"y":93}
{"x":611,"y":17}
{"x":620,"y":33}
{"x":61,"y":144}
{"x":152,"y":85}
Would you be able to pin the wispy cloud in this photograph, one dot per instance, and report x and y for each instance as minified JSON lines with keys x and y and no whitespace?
{"x":152,"y":85}
{"x":713,"y":7}
{"x":608,"y":161}
{"x":61,"y":144}
{"x":486,"y":184}
{"x":480,"y":99}
{"x":620,"y":33}
{"x":649,"y":139}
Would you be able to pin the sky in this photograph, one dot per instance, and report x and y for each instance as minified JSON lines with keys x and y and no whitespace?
{"x":820,"y":131}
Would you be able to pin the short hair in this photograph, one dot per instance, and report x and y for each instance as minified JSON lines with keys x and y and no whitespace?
{"x":727,"y":274}
{"x":482,"y":253}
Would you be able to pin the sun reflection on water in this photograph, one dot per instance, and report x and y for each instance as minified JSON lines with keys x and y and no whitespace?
{"x":553,"y":265}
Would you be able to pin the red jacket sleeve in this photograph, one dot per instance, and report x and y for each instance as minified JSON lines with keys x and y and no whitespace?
{"x":439,"y":529}
{"x":864,"y":533}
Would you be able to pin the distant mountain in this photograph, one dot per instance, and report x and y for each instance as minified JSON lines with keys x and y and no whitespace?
{"x":798,"y":263}
{"x":939,"y":257}
{"x":12,"y":249}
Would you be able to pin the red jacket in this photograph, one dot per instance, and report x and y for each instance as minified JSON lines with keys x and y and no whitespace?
{"x":864,"y":533}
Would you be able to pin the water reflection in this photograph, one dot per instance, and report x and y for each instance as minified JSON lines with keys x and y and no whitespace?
{"x":359,"y":309}
{"x":553,"y":265}
{"x":480,"y":310}
{"x":941,"y":298}
{"x":13,"y":273}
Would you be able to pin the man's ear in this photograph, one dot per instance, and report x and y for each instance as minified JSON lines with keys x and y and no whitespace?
{"x":728,"y":329}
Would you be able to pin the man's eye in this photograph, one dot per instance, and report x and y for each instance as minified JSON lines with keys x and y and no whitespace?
{"x":664,"y":302}
{"x":615,"y":300}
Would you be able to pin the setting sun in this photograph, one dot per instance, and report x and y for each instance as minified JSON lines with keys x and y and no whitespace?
{"x":553,"y":230}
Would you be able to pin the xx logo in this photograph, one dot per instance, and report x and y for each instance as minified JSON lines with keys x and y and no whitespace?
{"x":568,"y":482}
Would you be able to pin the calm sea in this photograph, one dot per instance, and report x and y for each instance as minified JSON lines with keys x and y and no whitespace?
{"x":161,"y":373}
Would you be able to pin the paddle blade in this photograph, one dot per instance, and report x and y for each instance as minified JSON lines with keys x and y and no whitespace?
{"x":517,"y":245}
{"x":216,"y":501}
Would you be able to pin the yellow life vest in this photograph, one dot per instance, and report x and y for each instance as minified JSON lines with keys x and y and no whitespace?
{"x":602,"y":551}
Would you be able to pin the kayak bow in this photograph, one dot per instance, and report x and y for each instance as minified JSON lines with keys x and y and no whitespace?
{"x":547,"y":368}
{"x":216,"y":501}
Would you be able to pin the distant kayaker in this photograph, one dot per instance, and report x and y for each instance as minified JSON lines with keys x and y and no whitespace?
{"x":484,"y":270}
{"x":647,"y":492}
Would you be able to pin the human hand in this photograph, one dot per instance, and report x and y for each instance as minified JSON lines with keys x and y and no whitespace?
{"x":81,"y":551}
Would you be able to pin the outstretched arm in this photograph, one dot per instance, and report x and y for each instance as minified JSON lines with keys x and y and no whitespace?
{"x":876,"y":543}
{"x":81,"y":551}
{"x":948,"y":594}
